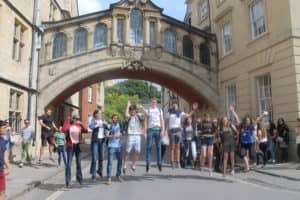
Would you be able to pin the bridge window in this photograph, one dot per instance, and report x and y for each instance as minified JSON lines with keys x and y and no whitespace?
{"x":100,"y":38}
{"x":204,"y":54}
{"x":80,"y":41}
{"x":187,"y":47}
{"x":136,"y":27}
{"x":152,"y":34}
{"x":170,"y":41}
{"x":120,"y":30}
{"x":59,"y":46}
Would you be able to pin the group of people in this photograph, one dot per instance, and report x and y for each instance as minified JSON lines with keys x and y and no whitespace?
{"x":194,"y":139}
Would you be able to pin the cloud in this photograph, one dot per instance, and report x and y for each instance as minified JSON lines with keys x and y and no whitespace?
{"x":88,"y":6}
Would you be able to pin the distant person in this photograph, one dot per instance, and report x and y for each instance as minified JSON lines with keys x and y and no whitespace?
{"x":272,"y":135}
{"x":283,"y":139}
{"x":60,"y":143}
{"x":99,"y":126}
{"x":190,"y":150}
{"x":4,"y":162}
{"x":135,"y":130}
{"x":27,"y":135}
{"x":114,"y":149}
{"x":47,"y":125}
{"x":262,"y":143}
{"x":154,"y":129}
{"x":73,"y":128}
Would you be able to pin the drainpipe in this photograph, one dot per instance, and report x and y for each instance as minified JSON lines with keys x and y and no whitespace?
{"x":34,"y":62}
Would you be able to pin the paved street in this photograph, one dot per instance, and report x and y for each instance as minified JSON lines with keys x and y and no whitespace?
{"x":170,"y":184}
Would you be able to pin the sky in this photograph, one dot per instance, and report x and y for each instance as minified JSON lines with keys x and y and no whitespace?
{"x":176,"y":10}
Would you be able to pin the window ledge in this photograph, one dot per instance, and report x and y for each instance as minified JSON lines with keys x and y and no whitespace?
{"x":265,"y":34}
{"x":227,"y":54}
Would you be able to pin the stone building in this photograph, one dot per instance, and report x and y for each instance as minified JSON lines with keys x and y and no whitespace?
{"x":258,"y":54}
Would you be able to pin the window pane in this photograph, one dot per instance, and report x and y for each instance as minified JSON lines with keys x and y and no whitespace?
{"x":204,"y":54}
{"x":170,"y":41}
{"x":90,"y":94}
{"x":257,"y":18}
{"x":188,"y":47}
{"x":60,"y":46}
{"x":227,"y":37}
{"x":231,"y":98}
{"x":136,"y":27}
{"x":120,"y":30}
{"x":80,"y":41}
{"x":152,"y":34}
{"x":264,"y":94}
{"x":100,"y":38}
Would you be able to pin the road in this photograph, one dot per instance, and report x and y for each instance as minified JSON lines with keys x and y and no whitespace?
{"x":170,"y":184}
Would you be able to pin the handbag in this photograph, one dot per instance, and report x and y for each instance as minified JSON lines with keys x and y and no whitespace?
{"x":165,"y":140}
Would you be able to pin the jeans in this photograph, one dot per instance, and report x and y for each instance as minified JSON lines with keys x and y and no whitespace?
{"x":70,"y":153}
{"x":156,"y":135}
{"x":97,"y":150}
{"x":262,"y":154}
{"x":272,"y":149}
{"x":112,"y":151}
{"x":25,"y":153}
{"x":61,"y":151}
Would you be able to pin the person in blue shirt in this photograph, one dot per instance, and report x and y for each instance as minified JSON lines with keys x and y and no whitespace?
{"x":114,"y":148}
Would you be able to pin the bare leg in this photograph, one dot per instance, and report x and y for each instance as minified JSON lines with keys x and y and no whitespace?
{"x":135,"y":158}
{"x":225,"y":161}
{"x":2,"y":195}
{"x":232,"y":162}
{"x":203,"y":156}
{"x":172,"y":149}
{"x":42,"y":150}
{"x":210,"y":157}
{"x":126,"y":157}
{"x":51,"y":147}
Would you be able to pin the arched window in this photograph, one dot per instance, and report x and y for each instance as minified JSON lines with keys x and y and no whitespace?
{"x":100,"y":37}
{"x":80,"y":40}
{"x":136,"y":27}
{"x":59,"y":46}
{"x":170,"y":41}
{"x":204,"y":54}
{"x":187,"y":47}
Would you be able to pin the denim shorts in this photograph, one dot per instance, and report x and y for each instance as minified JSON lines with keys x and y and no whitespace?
{"x":175,"y":137}
{"x":208,"y":141}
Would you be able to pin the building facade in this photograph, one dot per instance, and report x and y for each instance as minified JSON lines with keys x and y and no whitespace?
{"x":258,"y":54}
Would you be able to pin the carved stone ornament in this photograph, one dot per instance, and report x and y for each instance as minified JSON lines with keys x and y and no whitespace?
{"x":136,"y":65}
{"x":52,"y":71}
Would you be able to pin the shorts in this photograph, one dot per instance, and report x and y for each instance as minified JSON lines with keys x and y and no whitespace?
{"x":2,"y":182}
{"x":133,"y":142}
{"x":175,"y":137}
{"x":208,"y":142}
{"x":247,"y":147}
{"x":47,"y":137}
{"x":228,"y":148}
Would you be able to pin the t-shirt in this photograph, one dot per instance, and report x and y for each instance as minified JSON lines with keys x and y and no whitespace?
{"x":154,"y":117}
{"x":60,"y":138}
{"x":27,"y":134}
{"x":101,"y":130}
{"x":174,"y":120}
{"x":135,"y":125}
{"x":207,"y":129}
{"x":2,"y":152}
{"x":247,"y":135}
{"x":114,"y":142}
{"x":47,"y":120}
{"x":75,"y":132}
{"x":188,"y":132}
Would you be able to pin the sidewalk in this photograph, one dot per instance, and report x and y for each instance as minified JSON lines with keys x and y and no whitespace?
{"x":24,"y":179}
{"x":287,"y":170}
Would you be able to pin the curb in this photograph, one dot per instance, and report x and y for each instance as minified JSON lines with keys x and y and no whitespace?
{"x":38,"y":183}
{"x":276,"y":175}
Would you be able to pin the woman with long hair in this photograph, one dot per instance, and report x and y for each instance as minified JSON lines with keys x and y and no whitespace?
{"x":262,"y":144}
{"x":189,"y":134}
{"x":227,"y":133}
{"x":283,"y":138}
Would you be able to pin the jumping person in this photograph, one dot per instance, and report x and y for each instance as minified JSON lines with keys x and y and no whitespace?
{"x":74,"y":130}
{"x":135,"y":130}
{"x":207,"y":142}
{"x":4,"y":162}
{"x":27,"y":134}
{"x":154,"y":128}
{"x":47,"y":125}
{"x":283,"y":139}
{"x":114,"y":148}
{"x":98,"y":126}
{"x":189,"y":134}
{"x":262,"y":144}
{"x":60,"y":143}
{"x":227,"y":133}
{"x":174,"y":119}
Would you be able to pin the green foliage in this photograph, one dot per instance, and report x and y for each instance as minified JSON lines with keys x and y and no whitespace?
{"x":116,"y":104}
{"x":143,"y":89}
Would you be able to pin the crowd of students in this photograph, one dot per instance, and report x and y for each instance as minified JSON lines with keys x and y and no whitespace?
{"x":194,"y":139}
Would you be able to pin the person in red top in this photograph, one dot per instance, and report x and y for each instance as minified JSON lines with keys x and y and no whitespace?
{"x":74,"y":129}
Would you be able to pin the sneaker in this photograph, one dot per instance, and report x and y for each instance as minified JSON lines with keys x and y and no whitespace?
{"x":172,"y":165}
{"x":109,"y":181}
{"x":159,"y":167}
{"x":232,"y":172}
{"x":21,"y":165}
{"x":124,"y":170}
{"x":120,"y":179}
{"x":133,"y":168}
{"x":273,"y":161}
{"x":147,"y":168}
{"x":210,"y":172}
{"x":178,"y":165}
{"x":94,"y":178}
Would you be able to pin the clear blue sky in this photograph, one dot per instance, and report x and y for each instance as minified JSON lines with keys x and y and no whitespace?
{"x":173,"y":8}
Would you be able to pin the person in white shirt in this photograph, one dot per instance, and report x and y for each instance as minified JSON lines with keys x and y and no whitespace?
{"x":135,"y":130}
{"x":174,"y":119}
{"x":155,"y":128}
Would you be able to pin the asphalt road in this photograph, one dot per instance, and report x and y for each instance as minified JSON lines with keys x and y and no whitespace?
{"x":178,"y":184}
